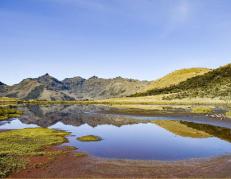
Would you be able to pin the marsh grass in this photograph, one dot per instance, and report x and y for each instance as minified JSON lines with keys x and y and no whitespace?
{"x":80,"y":154}
{"x":70,"y":148}
{"x":161,"y":99}
{"x":228,"y":114}
{"x":202,"y":110}
{"x":89,"y":138}
{"x":17,"y":145}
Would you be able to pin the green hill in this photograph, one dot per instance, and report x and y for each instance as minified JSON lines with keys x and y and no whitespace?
{"x":176,"y":77}
{"x":214,"y":84}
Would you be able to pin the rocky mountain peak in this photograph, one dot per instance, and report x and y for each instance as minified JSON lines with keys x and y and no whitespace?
{"x":46,"y":76}
{"x":51,"y":83}
{"x":2,"y":84}
{"x":93,"y":78}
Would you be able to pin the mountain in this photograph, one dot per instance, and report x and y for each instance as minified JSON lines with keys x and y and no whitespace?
{"x":214,"y":84}
{"x":99,"y":88}
{"x":185,"y":83}
{"x":44,"y":87}
{"x":51,"y":83}
{"x":176,"y":77}
{"x":2,"y":87}
{"x":47,"y":87}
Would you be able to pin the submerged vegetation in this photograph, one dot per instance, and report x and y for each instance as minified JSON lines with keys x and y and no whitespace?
{"x":16,"y":145}
{"x":7,"y":112}
{"x":89,"y":138}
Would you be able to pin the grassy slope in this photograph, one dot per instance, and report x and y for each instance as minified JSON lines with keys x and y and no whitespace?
{"x":176,"y":77}
{"x":216,"y":83}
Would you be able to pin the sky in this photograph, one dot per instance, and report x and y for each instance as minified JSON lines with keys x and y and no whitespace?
{"x":141,"y":39}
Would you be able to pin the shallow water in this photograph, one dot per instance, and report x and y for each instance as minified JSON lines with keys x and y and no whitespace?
{"x":129,"y":137}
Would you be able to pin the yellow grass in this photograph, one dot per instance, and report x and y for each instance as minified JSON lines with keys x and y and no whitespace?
{"x":176,"y":77}
{"x":157,"y":99}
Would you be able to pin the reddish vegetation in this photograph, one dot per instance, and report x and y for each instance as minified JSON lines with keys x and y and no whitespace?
{"x":68,"y":165}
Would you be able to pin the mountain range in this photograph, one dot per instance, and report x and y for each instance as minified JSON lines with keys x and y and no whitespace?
{"x":184,"y":83}
{"x":47,"y":87}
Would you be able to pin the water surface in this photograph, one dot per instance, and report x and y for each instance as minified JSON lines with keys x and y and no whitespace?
{"x":129,"y":137}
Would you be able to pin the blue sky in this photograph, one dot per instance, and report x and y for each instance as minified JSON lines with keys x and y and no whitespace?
{"x":142,"y":39}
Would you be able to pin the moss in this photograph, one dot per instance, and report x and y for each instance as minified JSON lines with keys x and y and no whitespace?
{"x":17,"y":145}
{"x":80,"y":154}
{"x":89,"y":138}
{"x":202,"y":110}
{"x":70,"y":148}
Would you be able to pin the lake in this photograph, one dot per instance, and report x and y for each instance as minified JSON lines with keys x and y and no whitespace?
{"x":131,"y":136}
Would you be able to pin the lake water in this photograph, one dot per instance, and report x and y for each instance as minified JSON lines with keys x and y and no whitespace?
{"x":130,"y":137}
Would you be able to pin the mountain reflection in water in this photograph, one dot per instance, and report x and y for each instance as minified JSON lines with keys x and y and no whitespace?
{"x":128,"y":136}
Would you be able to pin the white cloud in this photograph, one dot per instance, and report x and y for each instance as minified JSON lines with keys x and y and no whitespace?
{"x":181,"y":12}
{"x":178,"y":15}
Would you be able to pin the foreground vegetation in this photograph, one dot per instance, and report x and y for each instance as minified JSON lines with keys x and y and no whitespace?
{"x":17,"y":145}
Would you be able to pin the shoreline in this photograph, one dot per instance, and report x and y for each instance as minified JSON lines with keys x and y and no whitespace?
{"x":147,"y":100}
{"x":68,"y":165}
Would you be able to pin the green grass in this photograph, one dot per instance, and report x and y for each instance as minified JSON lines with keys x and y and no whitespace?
{"x":144,"y":100}
{"x":7,"y":112}
{"x":80,"y":154}
{"x":176,"y":77}
{"x":70,"y":148}
{"x":89,"y":138}
{"x":214,"y":84}
{"x":202,"y":110}
{"x":17,"y":145}
{"x":228,"y":114}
